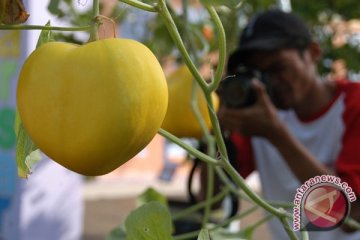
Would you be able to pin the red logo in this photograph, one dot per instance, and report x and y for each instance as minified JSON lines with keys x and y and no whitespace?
{"x":325,"y":206}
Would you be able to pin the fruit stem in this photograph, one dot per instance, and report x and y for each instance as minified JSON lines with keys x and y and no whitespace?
{"x":140,"y":5}
{"x":187,"y":147}
{"x":94,"y":34}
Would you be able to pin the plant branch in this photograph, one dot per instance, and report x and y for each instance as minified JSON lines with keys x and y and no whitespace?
{"x":287,"y":228}
{"x":236,"y":217}
{"x":216,"y":127}
{"x":201,"y":205}
{"x":243,"y":185}
{"x":94,"y":35}
{"x":41,"y":27}
{"x":174,"y":33}
{"x":140,"y":5}
{"x":222,"y":48}
{"x":202,"y":156}
{"x":304,"y":235}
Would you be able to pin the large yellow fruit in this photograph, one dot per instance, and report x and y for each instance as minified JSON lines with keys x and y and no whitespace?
{"x":91,"y":108}
{"x":180,"y":119}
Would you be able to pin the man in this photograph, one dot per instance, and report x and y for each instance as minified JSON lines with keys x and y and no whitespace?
{"x":308,"y":127}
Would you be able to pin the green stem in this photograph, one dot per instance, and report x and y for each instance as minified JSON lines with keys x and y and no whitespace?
{"x":210,"y":151}
{"x":304,"y":235}
{"x":40,"y":27}
{"x":236,"y":217}
{"x":140,"y":5}
{"x":287,"y":228}
{"x":259,"y":201}
{"x":209,"y":193}
{"x":257,"y":224}
{"x":94,"y":34}
{"x":189,"y":235}
{"x":352,"y":223}
{"x":222,"y":48}
{"x":200,"y":205}
{"x":216,"y":126}
{"x":195,"y":108}
{"x":188,"y":148}
{"x":193,"y":234}
{"x":174,"y":33}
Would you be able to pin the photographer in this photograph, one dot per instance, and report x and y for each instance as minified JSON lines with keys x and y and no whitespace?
{"x":299,"y":125}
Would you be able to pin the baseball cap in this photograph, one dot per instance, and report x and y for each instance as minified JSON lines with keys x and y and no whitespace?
{"x":271,"y":30}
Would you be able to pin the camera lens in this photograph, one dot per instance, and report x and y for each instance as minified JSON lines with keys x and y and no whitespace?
{"x":236,"y":91}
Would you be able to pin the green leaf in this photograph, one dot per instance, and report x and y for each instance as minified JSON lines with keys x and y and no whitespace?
{"x":54,"y":8}
{"x":150,"y":195}
{"x":151,"y":221}
{"x":24,"y":147}
{"x":26,"y":156}
{"x":118,"y":233}
{"x":33,"y":158}
{"x":204,"y":235}
{"x":45,"y":36}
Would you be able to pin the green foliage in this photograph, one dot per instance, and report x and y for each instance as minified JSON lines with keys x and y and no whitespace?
{"x":45,"y":36}
{"x":26,"y":156}
{"x":150,"y":195}
{"x":156,"y":225}
{"x":319,"y":14}
{"x":118,"y":233}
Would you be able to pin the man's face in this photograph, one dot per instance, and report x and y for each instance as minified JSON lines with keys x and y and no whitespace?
{"x":291,"y":75}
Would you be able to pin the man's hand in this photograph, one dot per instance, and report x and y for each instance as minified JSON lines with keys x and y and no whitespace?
{"x":259,"y":119}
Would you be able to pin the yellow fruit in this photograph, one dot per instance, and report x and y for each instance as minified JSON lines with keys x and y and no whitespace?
{"x":180,"y":119}
{"x":91,"y":108}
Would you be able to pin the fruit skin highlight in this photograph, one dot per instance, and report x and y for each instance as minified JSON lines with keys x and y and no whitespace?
{"x":180,"y":119}
{"x":91,"y":108}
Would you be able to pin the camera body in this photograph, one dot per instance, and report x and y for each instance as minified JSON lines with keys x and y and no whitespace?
{"x":236,"y":90}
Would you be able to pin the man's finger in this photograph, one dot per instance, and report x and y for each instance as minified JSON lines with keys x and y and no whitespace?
{"x":260,"y":91}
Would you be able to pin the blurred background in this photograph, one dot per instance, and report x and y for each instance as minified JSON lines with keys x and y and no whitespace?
{"x":97,"y":205}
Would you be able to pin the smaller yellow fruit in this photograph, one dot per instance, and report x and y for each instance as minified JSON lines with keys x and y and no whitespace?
{"x":180,"y":119}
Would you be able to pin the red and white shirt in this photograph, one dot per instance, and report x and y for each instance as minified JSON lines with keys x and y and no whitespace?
{"x":332,"y":136}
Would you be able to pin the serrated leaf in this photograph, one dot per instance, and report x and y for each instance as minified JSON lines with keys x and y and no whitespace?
{"x":151,"y":221}
{"x":204,"y":235}
{"x":45,"y":36}
{"x":149,"y":195}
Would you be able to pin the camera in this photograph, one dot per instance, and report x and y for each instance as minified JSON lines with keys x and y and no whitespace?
{"x":236,"y":90}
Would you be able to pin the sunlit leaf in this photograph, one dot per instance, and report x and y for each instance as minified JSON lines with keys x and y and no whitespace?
{"x":45,"y":36}
{"x":149,"y":195}
{"x":32,"y":159}
{"x":151,"y":221}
